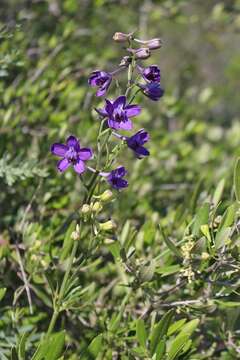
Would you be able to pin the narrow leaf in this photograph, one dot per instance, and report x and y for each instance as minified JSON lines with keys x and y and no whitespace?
{"x":141,"y":333}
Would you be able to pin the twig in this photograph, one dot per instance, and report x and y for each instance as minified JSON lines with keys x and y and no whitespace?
{"x":24,"y":277}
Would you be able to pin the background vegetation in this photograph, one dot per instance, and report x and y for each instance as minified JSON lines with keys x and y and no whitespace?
{"x":177,"y":240}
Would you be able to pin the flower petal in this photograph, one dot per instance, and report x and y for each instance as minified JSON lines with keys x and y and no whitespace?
{"x":120,"y":171}
{"x":59,"y":149}
{"x":125,"y":125}
{"x":133,"y":110}
{"x":85,"y":154}
{"x":63,"y":164}
{"x":101,"y":112}
{"x":72,"y":141}
{"x":120,"y":184}
{"x":120,"y":102}
{"x":79,"y":167}
{"x":141,"y":151}
{"x":109,"y":107}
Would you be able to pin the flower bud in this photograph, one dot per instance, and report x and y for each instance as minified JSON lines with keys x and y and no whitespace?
{"x":107,"y":226}
{"x":142,"y":53}
{"x":126,"y":60}
{"x":121,"y":37}
{"x":96,"y":207}
{"x":76,"y":234}
{"x":107,"y":195}
{"x":205,"y":256}
{"x":154,"y":44}
{"x":85,"y":209}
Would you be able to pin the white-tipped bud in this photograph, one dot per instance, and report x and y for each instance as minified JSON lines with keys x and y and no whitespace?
{"x":154,"y":44}
{"x":107,"y":226}
{"x":142,"y":53}
{"x":121,"y":37}
{"x":85,"y":209}
{"x":76,"y":234}
{"x":106,"y":196}
{"x":96,"y":207}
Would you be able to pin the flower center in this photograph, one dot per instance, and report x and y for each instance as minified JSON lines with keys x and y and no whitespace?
{"x":120,"y":116}
{"x":71,"y":154}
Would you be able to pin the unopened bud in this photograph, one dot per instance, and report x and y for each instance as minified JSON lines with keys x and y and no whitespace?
{"x":85,"y":209}
{"x":107,"y":226}
{"x":205,"y":256}
{"x":76,"y":234}
{"x":121,"y":37}
{"x":34,"y":258}
{"x":126,"y":60}
{"x":96,"y":207}
{"x":107,"y":195}
{"x":154,"y":44}
{"x":142,"y":53}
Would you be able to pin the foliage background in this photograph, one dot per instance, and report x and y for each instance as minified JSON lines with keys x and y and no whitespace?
{"x":47,"y":50}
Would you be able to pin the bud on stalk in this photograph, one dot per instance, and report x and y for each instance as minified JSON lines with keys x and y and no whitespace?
{"x":121,"y":37}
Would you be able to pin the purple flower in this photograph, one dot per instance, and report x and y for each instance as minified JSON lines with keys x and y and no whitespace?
{"x":152,"y":90}
{"x":100,"y":79}
{"x":115,"y":178}
{"x":151,"y":73}
{"x":137,"y":141}
{"x":118,"y":113}
{"x":71,"y":154}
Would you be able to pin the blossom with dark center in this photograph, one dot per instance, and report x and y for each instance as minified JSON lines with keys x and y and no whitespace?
{"x":115,"y":178}
{"x":102,"y":80}
{"x":151,"y":73}
{"x":136,"y":143}
{"x":152,"y":90}
{"x":118,"y":113}
{"x":71,"y":154}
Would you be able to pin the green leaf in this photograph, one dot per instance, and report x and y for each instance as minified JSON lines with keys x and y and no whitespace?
{"x":161,"y":349}
{"x":176,"y":326}
{"x":222,"y":236}
{"x":50,"y":348}
{"x":172,"y":247}
{"x":168,"y":270}
{"x":228,"y":218}
{"x":176,"y":346}
{"x":201,"y":219}
{"x":237,"y":180}
{"x":160,"y":330}
{"x":96,"y":345}
{"x":21,"y":346}
{"x":2,"y":293}
{"x":190,"y":327}
{"x":227,"y":304}
{"x":141,"y":332}
{"x":218,"y":192}
{"x":147,"y":271}
{"x":14,"y":355}
{"x":68,"y":241}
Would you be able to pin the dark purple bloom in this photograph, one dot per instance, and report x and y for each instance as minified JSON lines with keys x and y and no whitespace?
{"x":100,"y":79}
{"x":118,"y":113}
{"x":115,"y":178}
{"x":137,"y":141}
{"x":152,"y":90}
{"x":71,"y":154}
{"x":151,"y":73}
